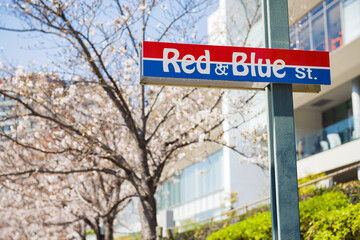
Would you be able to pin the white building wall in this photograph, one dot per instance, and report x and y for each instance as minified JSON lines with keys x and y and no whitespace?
{"x":226,"y":27}
{"x":340,"y":156}
{"x":249,"y":181}
{"x":187,"y":211}
{"x":216,"y":23}
{"x":246,"y":179}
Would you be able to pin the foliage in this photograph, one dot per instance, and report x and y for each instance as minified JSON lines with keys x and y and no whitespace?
{"x":312,"y":209}
{"x":310,"y":178}
{"x":90,"y":232}
{"x":306,"y":191}
{"x":136,"y":236}
{"x":84,"y":119}
{"x":255,"y":227}
{"x":312,"y":212}
{"x":336,"y":224}
{"x":350,"y":189}
{"x":327,"y":216}
{"x":200,"y":232}
{"x":84,"y":115}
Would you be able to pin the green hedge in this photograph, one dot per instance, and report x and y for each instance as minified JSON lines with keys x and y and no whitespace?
{"x":201,"y":232}
{"x":337,"y":224}
{"x":313,"y":209}
{"x":327,"y":216}
{"x":256,"y":227}
{"x":350,"y":189}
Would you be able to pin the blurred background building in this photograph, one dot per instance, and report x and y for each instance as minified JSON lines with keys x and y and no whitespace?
{"x":327,"y":124}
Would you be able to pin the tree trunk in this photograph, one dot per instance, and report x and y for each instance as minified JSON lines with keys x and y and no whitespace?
{"x":108,"y":228}
{"x":98,"y":234}
{"x":147,"y":213}
{"x":96,"y":227}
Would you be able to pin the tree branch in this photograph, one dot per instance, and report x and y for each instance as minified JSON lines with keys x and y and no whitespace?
{"x":49,"y":171}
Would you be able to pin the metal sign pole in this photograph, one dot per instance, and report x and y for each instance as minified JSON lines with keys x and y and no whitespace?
{"x":283,"y":172}
{"x":270,"y":139}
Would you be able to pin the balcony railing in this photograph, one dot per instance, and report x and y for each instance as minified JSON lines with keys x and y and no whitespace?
{"x":326,"y":138}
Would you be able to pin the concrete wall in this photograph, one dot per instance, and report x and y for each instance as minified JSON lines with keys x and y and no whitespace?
{"x":342,"y":155}
{"x":250,"y":182}
{"x":241,"y":175}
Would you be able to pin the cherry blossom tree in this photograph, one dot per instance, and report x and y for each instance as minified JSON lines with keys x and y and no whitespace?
{"x":85,"y":112}
{"x":29,"y":210}
{"x":55,"y":201}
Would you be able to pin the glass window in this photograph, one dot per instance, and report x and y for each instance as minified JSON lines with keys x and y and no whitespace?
{"x":329,"y":2}
{"x":208,"y":214}
{"x":328,"y":117}
{"x":324,"y":31}
{"x":304,"y":34}
{"x":195,"y":181}
{"x":338,"y":113}
{"x":293,"y":37}
{"x":318,"y":29}
{"x":334,"y":26}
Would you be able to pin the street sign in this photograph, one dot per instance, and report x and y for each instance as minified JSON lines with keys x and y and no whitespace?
{"x":195,"y":65}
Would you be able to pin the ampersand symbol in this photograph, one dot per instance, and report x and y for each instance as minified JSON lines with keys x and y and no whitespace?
{"x":221,"y":69}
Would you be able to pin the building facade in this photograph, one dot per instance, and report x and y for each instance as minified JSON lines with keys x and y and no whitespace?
{"x":327,"y":124}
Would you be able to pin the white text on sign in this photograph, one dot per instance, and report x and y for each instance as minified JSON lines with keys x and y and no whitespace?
{"x":239,"y":67}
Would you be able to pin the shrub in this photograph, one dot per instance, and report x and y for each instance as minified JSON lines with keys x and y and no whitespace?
{"x":203,"y":231}
{"x":337,"y":224}
{"x":312,"y":209}
{"x":135,"y":236}
{"x":329,"y":214}
{"x":256,"y":227}
{"x":351,"y":189}
{"x":312,"y":212}
{"x":308,"y":191}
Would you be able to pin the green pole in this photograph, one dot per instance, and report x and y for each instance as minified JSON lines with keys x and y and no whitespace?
{"x":283,"y":171}
{"x":270,"y":140}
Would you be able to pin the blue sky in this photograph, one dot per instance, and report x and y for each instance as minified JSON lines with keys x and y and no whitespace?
{"x":16,"y":48}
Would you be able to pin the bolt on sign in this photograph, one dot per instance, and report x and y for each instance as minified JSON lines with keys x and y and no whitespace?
{"x":193,"y":65}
